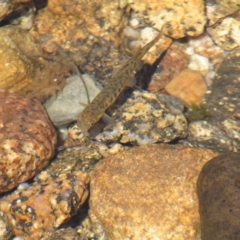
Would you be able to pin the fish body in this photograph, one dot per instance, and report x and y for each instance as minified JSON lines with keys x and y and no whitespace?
{"x":95,"y":110}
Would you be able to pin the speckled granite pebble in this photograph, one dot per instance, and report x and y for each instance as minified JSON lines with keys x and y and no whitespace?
{"x":55,"y":195}
{"x":204,"y":134}
{"x":183,"y":17}
{"x":27,"y":139}
{"x":218,"y":191}
{"x":146,"y":118}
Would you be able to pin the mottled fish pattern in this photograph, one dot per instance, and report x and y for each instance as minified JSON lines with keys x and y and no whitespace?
{"x":96,"y":109}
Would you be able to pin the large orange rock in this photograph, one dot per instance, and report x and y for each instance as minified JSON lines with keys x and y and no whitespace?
{"x":149,"y":192}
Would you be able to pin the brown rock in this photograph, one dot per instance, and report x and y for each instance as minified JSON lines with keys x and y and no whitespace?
{"x":171,"y":65}
{"x":14,"y":65}
{"x":87,"y":31}
{"x":218,"y":190}
{"x":73,"y":22}
{"x":149,"y":192}
{"x":27,"y":139}
{"x":25,"y":69}
{"x":188,"y":87}
{"x":93,"y":31}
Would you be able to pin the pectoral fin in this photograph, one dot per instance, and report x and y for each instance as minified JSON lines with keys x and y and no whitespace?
{"x":107,"y":119}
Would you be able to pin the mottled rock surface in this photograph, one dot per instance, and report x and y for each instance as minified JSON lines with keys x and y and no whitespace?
{"x":94,"y":42}
{"x":149,"y":192}
{"x":230,"y":39}
{"x":204,"y":134}
{"x":183,"y":17}
{"x":223,"y":98}
{"x":220,"y":9}
{"x":218,"y":191}
{"x":6,"y":231}
{"x":55,"y":195}
{"x":146,"y":118}
{"x":14,"y":65}
{"x":27,"y":139}
{"x":224,"y":22}
{"x":25,"y":69}
{"x":222,"y":130}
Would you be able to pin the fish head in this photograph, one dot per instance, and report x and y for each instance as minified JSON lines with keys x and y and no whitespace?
{"x":84,"y":124}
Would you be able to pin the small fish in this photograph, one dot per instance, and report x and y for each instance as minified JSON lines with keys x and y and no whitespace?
{"x":96,"y":109}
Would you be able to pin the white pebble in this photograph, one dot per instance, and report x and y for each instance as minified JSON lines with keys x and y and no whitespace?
{"x":144,"y":141}
{"x":63,"y":133}
{"x":133,"y":43}
{"x":209,"y":77}
{"x":198,"y":62}
{"x":23,"y":186}
{"x":17,"y":238}
{"x":190,"y":50}
{"x":134,"y":22}
{"x":147,"y":35}
{"x":131,"y":32}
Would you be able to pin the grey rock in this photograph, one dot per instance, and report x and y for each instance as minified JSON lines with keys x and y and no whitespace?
{"x":146,"y":118}
{"x":218,"y":190}
{"x":68,"y":104}
{"x":222,"y":129}
{"x":222,"y":101}
{"x":207,"y":135}
{"x":62,"y":234}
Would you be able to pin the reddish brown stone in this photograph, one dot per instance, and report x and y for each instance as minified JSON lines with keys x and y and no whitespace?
{"x":171,"y":65}
{"x":27,"y":139}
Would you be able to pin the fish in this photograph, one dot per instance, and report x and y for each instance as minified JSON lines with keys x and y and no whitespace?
{"x":96,"y":109}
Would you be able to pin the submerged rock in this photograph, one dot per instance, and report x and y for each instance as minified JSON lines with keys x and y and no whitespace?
{"x":204,"y":134}
{"x":27,"y":139}
{"x":72,"y":99}
{"x":222,"y":129}
{"x":188,"y":87}
{"x":38,"y":209}
{"x":146,"y":118}
{"x":149,"y":192}
{"x":218,"y":189}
